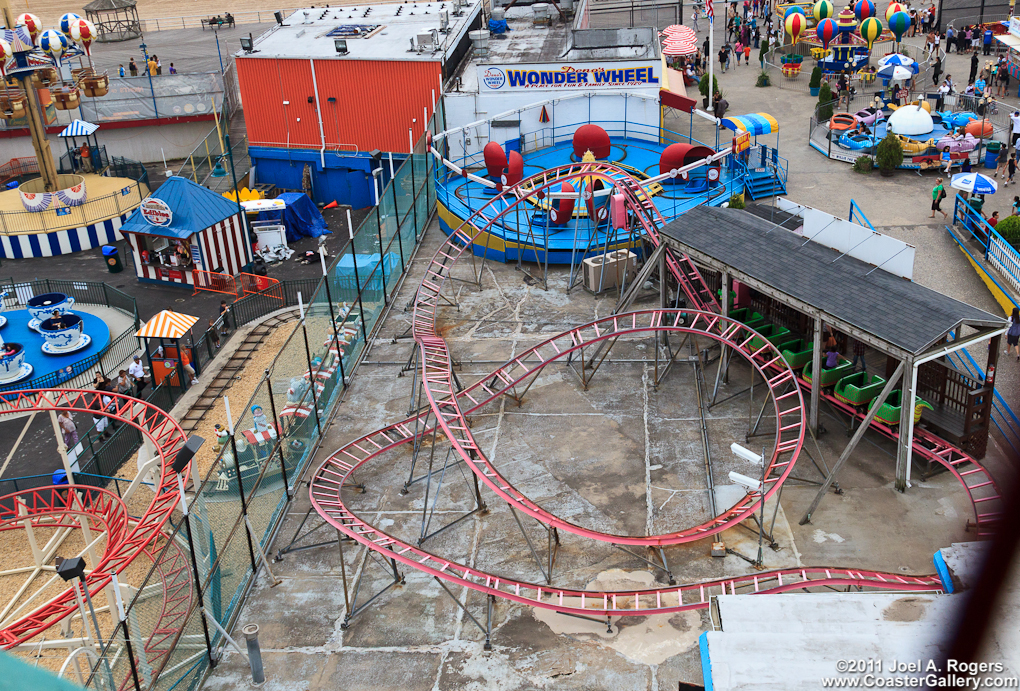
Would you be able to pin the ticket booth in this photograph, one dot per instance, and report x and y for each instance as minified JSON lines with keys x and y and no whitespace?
{"x":169,"y":348}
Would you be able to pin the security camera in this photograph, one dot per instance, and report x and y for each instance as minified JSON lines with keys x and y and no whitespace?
{"x":748,"y":483}
{"x":748,"y":455}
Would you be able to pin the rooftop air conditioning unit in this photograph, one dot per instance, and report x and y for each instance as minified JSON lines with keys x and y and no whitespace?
{"x":444,"y":21}
{"x":425,"y":42}
{"x":541,"y":12}
{"x":480,"y":40}
{"x":609,"y":270}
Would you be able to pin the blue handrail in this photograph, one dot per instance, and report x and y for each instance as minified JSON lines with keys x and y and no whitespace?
{"x":856,"y":211}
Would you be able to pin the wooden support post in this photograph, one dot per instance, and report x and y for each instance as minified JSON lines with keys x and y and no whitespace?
{"x":906,"y":425}
{"x":816,"y":374}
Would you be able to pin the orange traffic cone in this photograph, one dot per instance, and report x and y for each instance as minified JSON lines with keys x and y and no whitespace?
{"x":331,"y":205}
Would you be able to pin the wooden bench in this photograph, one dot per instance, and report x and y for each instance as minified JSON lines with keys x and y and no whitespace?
{"x":217,"y":22}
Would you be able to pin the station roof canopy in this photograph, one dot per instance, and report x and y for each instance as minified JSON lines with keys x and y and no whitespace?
{"x":167,"y":324}
{"x":891,"y":313}
{"x":194,"y":209}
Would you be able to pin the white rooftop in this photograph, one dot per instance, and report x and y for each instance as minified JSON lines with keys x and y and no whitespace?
{"x":372,"y":32}
{"x":556,"y":41}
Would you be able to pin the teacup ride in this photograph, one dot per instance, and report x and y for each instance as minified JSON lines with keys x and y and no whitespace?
{"x":13,"y":367}
{"x":64,"y":334}
{"x":42,"y":307}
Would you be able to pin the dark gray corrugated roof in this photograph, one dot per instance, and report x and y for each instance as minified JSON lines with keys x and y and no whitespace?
{"x":893,"y":309}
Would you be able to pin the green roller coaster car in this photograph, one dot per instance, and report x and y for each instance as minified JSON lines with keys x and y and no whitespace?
{"x":889,"y":411}
{"x":797,"y":352}
{"x":859,"y":389}
{"x":774,"y":334}
{"x":744,"y":314}
{"x":831,"y":376}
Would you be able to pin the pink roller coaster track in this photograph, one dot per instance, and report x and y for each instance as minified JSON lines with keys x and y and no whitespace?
{"x":449,"y":410}
{"x":54,"y":506}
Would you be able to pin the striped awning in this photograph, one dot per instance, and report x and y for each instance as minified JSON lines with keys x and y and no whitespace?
{"x":753,"y":123}
{"x":167,"y":324}
{"x":79,"y":128}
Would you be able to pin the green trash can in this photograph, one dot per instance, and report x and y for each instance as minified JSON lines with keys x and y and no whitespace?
{"x":112,"y":256}
{"x":992,"y":154}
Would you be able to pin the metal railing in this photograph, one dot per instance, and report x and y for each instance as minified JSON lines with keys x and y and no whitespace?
{"x":201,"y":164}
{"x":251,"y":483}
{"x":196,"y":20}
{"x":94,"y":210}
{"x":997,"y":250}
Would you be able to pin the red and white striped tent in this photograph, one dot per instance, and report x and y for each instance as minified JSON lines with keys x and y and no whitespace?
{"x":182,"y":229}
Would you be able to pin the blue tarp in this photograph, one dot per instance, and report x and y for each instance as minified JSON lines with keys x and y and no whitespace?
{"x":301,"y":217}
{"x":367,"y":265}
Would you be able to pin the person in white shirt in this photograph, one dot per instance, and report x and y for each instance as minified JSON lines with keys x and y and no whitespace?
{"x":694,"y":18}
{"x":137,"y":373}
{"x":1014,"y":120}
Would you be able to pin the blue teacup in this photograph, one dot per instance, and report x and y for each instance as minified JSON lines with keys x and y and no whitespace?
{"x":42,"y":306}
{"x":11,"y":364}
{"x":64,"y":333}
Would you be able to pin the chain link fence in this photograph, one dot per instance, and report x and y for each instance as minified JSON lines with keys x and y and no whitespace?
{"x":171,"y":630}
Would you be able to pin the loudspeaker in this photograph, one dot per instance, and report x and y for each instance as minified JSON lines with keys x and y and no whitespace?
{"x":187,"y":452}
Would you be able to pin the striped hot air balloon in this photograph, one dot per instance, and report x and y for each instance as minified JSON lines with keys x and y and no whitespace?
{"x":795,"y":25}
{"x":899,"y":22}
{"x":6,"y":53}
{"x":870,"y":30}
{"x":864,"y":9}
{"x":792,"y":11}
{"x":84,"y":32}
{"x":54,"y":43}
{"x":893,"y":8}
{"x":30,"y":22}
{"x":67,"y":21}
{"x":823,"y":9}
{"x":826,"y":31}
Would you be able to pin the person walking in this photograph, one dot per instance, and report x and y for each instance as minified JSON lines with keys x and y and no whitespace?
{"x":1000,"y":162}
{"x":124,"y":383}
{"x":121,"y":70}
{"x":133,"y":67}
{"x":973,"y":68}
{"x":936,"y":70}
{"x":722,"y":59}
{"x":694,"y":19}
{"x":68,"y":429}
{"x":988,"y":41}
{"x":1013,"y":335}
{"x":738,"y":51}
{"x":1010,"y":169}
{"x":151,"y":65}
{"x":97,"y":406}
{"x":938,"y":193}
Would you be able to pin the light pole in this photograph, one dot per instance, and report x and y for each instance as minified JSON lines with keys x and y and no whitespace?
{"x":216,"y":30}
{"x":148,"y":72}
{"x":73,"y":570}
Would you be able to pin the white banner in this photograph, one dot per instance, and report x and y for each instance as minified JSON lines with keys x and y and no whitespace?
{"x":581,"y":75}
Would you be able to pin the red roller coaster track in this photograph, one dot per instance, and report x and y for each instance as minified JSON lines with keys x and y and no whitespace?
{"x":124,"y":543}
{"x":445,"y":408}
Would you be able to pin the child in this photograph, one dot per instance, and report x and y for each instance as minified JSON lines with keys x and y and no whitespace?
{"x":1016,"y":206}
{"x":214,"y":334}
{"x":1010,"y":169}
{"x":1001,"y":161}
{"x":747,"y":54}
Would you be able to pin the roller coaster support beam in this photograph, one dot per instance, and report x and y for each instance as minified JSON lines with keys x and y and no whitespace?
{"x":858,"y":435}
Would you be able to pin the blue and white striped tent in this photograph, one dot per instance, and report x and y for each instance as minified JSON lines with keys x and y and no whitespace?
{"x":79,"y":128}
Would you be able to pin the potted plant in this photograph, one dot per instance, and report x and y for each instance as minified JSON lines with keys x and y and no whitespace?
{"x":703,"y":88}
{"x":763,"y":79}
{"x":737,"y":201}
{"x":889,"y":155}
{"x":824,"y":102}
{"x":816,"y":80}
{"x":864,"y":164}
